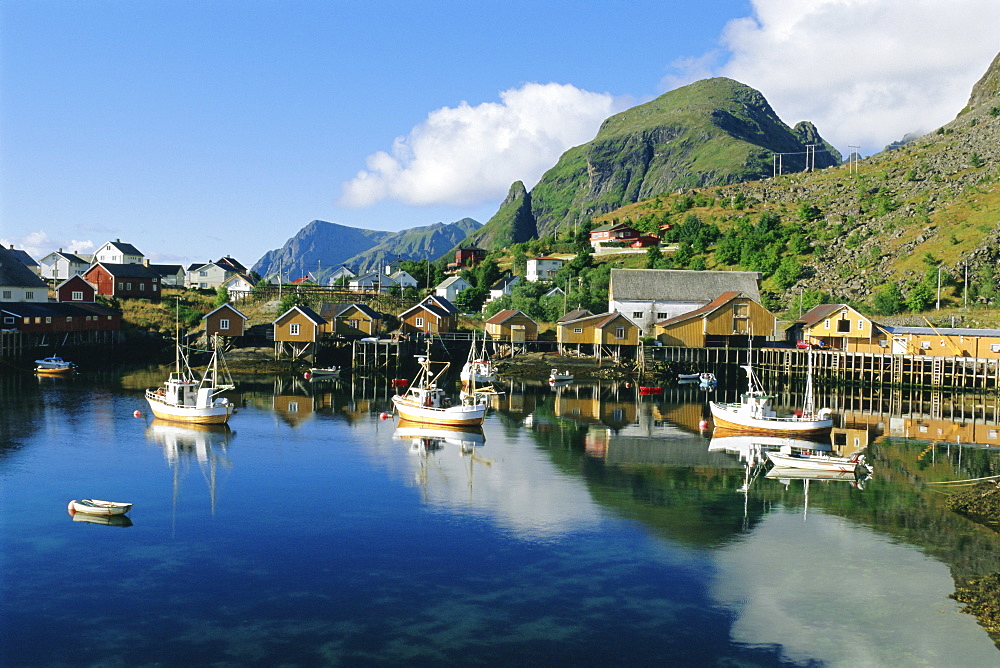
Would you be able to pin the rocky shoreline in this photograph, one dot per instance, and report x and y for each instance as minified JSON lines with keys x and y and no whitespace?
{"x":981,"y":596}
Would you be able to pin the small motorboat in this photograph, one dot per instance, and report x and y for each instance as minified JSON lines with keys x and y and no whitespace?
{"x":557,"y":376}
{"x":322,"y":372}
{"x":98,"y":507}
{"x":807,"y":459}
{"x":53,"y":365}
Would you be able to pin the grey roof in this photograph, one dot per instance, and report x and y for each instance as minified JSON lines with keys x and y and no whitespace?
{"x":130,"y":270}
{"x":23,"y":256}
{"x":505,"y":282}
{"x":680,"y":285}
{"x":944,"y":331}
{"x":330,"y":310}
{"x":442,"y":303}
{"x":575,"y":314}
{"x":167,"y":269}
{"x":14,"y":273}
{"x":449,"y":281}
{"x":127,"y":249}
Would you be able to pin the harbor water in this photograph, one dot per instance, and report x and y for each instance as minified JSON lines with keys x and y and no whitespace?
{"x":584,"y":525}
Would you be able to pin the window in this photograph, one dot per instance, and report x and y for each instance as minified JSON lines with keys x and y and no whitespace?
{"x":844,"y":326}
{"x":740,"y":310}
{"x":293,"y":329}
{"x":861,"y":325}
{"x":48,"y":320}
{"x":203,"y":273}
{"x":419,"y":322}
{"x":121,"y":286}
{"x":224,"y":323}
{"x":826,"y":324}
{"x":293,"y":407}
{"x":6,"y":294}
{"x":29,"y":295}
{"x":995,"y":348}
{"x":637,"y":314}
{"x":578,"y":330}
{"x":142,"y":287}
{"x":155,"y":286}
{"x":661,"y":316}
{"x":78,"y":295}
{"x":619,"y":332}
{"x":128,"y":286}
{"x":8,"y":320}
{"x":925,"y":345}
{"x":69,"y":318}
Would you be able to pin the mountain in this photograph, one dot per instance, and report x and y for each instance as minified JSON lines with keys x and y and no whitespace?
{"x":417,"y":243}
{"x":512,"y":224}
{"x":712,"y":132}
{"x":321,"y":247}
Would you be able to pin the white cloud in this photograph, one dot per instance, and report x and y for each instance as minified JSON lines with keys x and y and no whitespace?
{"x":464,"y":155}
{"x":39,"y":244}
{"x":864,"y":71}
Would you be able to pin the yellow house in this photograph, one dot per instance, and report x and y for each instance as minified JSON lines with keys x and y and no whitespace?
{"x":297,"y":329}
{"x":511,"y":325}
{"x":226,"y":320}
{"x":838,"y":327}
{"x":944,"y":341}
{"x":727,"y":320}
{"x":601,"y":334}
{"x":350,"y":319}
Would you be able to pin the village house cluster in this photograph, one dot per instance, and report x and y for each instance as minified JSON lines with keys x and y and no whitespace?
{"x":665,"y":307}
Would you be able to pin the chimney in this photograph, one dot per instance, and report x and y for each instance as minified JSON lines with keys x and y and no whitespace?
{"x":145,"y":261}
{"x":60,"y":250}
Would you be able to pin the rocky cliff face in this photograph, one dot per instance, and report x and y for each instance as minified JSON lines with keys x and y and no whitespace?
{"x":712,"y":132}
{"x":986,"y":91}
{"x":512,"y":224}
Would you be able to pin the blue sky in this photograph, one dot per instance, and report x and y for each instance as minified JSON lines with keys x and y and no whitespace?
{"x":195,"y":129}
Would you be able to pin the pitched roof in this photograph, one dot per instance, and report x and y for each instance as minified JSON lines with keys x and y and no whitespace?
{"x":167,"y":269}
{"x":23,"y":257}
{"x":38,"y":309}
{"x":442,"y":303}
{"x":819,"y":312}
{"x":713,"y":305}
{"x":127,"y":249}
{"x":448,"y":282}
{"x":433,"y":309}
{"x":505,"y":282}
{"x":72,"y":258}
{"x":331,"y":310}
{"x":131,"y":270}
{"x":231,"y":262}
{"x":304,"y":310}
{"x":680,"y":285}
{"x":15,"y":273}
{"x":73,"y":278}
{"x":575,"y":314}
{"x":505,"y":315}
{"x":227,"y":305}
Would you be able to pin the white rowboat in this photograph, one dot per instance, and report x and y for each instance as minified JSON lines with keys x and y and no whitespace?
{"x":98,"y":507}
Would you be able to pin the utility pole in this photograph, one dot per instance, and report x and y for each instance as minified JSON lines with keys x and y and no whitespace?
{"x":854,"y":157}
{"x":938,"y":307}
{"x":965,"y":290}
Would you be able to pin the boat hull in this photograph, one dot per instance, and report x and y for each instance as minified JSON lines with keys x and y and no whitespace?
{"x":735,"y":421}
{"x":54,"y":371}
{"x":216,"y":414}
{"x":813,"y":462}
{"x":452,"y":415}
{"x":98,"y":507}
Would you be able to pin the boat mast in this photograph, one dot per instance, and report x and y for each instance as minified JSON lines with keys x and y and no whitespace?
{"x":177,"y":335}
{"x":807,"y":404}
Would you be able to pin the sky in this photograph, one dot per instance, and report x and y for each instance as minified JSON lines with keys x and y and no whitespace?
{"x":195,"y":129}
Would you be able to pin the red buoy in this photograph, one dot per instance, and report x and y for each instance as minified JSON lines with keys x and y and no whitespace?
{"x":703,"y":425}
{"x":137,"y":414}
{"x":383,"y":416}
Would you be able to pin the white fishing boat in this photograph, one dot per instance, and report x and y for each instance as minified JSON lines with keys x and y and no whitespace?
{"x":186,"y":398}
{"x":784,"y":473}
{"x":98,"y":507}
{"x":427,"y":403}
{"x":53,"y":365}
{"x":557,"y":376}
{"x":478,"y":369}
{"x":791,"y":459}
{"x":754,"y":414}
{"x":322,"y":372}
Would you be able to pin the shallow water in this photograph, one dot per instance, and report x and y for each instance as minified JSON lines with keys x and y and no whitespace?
{"x":593,"y":531}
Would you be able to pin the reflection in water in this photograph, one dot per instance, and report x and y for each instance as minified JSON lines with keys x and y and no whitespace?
{"x":109,"y":520}
{"x":206,"y":444}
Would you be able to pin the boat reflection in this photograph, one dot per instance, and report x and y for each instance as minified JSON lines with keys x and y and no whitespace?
{"x":107,"y":520}
{"x":206,"y":445}
{"x":425,"y":438}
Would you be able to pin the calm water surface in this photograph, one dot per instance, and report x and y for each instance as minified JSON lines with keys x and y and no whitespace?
{"x":579,"y":528}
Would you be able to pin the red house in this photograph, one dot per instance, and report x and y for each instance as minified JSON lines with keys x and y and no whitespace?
{"x":613,"y":232}
{"x":124,"y":280}
{"x":76,"y":290}
{"x":51,"y":317}
{"x":467,"y":257}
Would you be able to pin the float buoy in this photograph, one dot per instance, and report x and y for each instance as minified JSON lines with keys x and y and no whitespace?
{"x":703,"y":425}
{"x":383,"y":416}
{"x":307,"y":375}
{"x":628,"y":385}
{"x":137,"y":414}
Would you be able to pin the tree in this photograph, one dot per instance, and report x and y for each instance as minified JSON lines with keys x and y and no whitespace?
{"x":888,"y":300}
{"x":221,"y":296}
{"x":788,"y":272}
{"x":654,"y":257}
{"x":921,"y":296}
{"x":471,"y":299}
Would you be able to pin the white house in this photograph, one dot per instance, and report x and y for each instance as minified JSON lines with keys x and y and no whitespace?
{"x":170,"y":274}
{"x":404,"y":279}
{"x":238,"y":286}
{"x":116,"y":252}
{"x":18,"y":283}
{"x":450,"y":287}
{"x":211,"y":275}
{"x":647,"y":296}
{"x":503,"y":287}
{"x":341,"y":272}
{"x":542,"y":268}
{"x":59,"y":266}
{"x":373,"y":281}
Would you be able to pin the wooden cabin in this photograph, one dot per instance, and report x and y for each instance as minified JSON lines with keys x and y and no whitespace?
{"x":351,"y":320}
{"x":226,"y":320}
{"x":426,"y":317}
{"x":941,"y":341}
{"x":605,"y":334}
{"x":511,"y":325}
{"x":124,"y":280}
{"x":77,"y":290}
{"x":296,"y":331}
{"x":728,"y":320}
{"x":838,"y":327}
